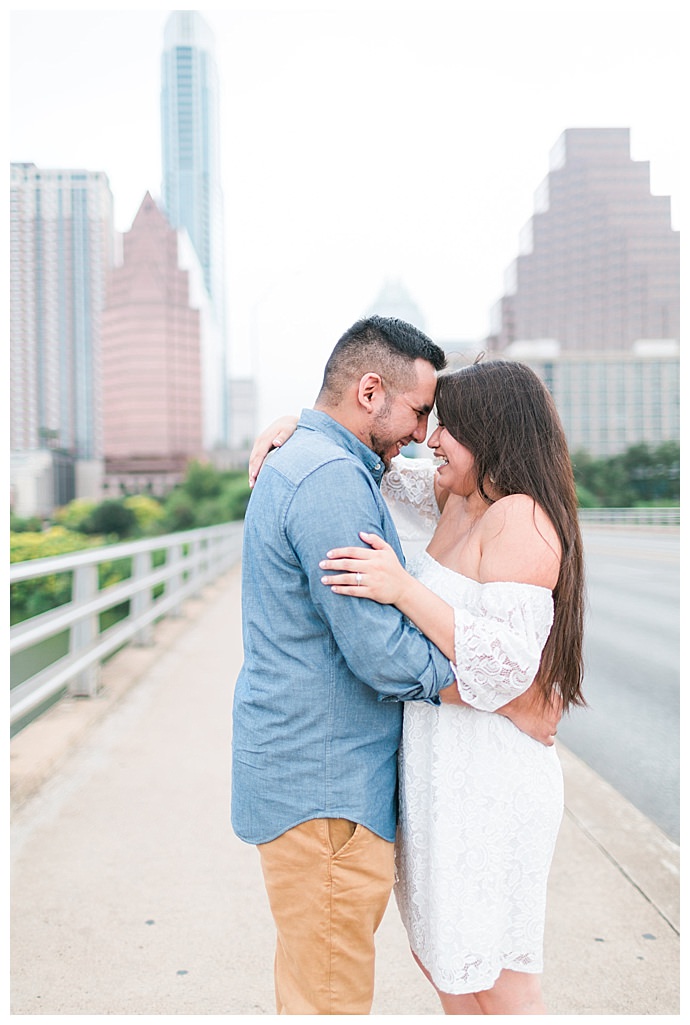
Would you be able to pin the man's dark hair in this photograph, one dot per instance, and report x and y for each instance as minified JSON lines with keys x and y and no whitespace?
{"x":381,"y":345}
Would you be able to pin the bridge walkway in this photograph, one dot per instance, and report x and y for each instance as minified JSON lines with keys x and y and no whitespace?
{"x":131,"y":895}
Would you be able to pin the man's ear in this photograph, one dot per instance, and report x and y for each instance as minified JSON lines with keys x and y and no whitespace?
{"x":370,"y":390}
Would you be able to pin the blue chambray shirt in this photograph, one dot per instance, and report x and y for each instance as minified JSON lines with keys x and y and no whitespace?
{"x":317,"y":712}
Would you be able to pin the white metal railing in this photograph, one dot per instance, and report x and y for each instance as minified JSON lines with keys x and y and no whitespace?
{"x":656,"y":517}
{"x":192,"y":559}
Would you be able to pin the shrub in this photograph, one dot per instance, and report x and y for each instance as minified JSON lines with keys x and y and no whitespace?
{"x":74,"y":515}
{"x":111,"y":517}
{"x":30,"y":524}
{"x":30,"y":597}
{"x":148,"y":512}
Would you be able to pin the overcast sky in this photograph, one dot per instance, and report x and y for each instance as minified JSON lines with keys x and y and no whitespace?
{"x":361,"y":142}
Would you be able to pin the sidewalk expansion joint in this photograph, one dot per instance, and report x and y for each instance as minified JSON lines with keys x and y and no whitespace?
{"x":592,"y":838}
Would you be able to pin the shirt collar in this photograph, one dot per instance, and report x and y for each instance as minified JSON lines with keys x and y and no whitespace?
{"x":315,"y":420}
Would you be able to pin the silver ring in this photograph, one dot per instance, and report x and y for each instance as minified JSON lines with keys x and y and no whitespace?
{"x":358,"y":578}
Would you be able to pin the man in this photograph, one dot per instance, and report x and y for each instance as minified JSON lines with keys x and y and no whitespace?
{"x":318,"y":702}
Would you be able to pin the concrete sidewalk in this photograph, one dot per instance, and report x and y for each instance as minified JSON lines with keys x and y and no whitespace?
{"x":131,"y":895}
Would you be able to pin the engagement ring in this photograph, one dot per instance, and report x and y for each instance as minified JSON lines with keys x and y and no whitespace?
{"x":358,"y":577}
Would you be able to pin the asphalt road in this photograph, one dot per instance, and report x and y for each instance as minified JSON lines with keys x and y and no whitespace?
{"x":629,"y":734}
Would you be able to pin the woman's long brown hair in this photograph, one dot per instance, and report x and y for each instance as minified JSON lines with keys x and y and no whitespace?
{"x":503,"y":413}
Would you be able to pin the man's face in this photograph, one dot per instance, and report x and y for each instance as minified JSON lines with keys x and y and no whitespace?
{"x":404,"y":416}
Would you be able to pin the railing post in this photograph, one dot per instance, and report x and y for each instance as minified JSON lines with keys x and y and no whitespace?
{"x":216,"y":551}
{"x":84,"y":632}
{"x":197,"y":567}
{"x":142,"y":600}
{"x":202,"y":552}
{"x":176,"y":581}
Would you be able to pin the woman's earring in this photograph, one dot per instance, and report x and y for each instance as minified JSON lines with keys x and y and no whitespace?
{"x":492,"y":478}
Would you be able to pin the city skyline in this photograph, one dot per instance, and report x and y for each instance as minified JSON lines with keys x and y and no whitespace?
{"x":418,"y":160}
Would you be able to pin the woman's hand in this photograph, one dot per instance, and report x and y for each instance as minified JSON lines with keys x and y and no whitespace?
{"x":383,"y":579}
{"x":373,"y":572}
{"x":272,"y":437}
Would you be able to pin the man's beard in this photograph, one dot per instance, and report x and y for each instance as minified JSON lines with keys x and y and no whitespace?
{"x":379,"y":440}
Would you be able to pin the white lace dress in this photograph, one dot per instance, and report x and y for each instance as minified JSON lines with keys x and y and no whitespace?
{"x":480,"y":801}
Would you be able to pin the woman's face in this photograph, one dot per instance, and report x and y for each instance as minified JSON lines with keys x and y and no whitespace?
{"x":457,"y":472}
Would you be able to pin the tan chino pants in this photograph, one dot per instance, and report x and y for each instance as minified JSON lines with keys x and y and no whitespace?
{"x":328,"y":883}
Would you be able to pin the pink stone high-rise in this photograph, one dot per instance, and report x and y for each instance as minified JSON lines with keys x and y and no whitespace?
{"x":599,"y":267}
{"x":153,"y":360}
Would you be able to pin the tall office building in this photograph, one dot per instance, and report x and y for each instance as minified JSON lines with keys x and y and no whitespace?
{"x":61,"y":250}
{"x":599,"y":263}
{"x":162,"y":355}
{"x":192,"y":192}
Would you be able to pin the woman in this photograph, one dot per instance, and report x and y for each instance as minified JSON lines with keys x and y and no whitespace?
{"x":500,"y":590}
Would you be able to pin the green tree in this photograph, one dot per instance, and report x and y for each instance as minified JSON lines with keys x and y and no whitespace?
{"x":654,"y":473}
{"x":640,"y":475}
{"x":236,"y":495}
{"x":207,"y":497}
{"x":202,"y":481}
{"x":180,"y":512}
{"x":585,"y":498}
{"x":110,"y":517}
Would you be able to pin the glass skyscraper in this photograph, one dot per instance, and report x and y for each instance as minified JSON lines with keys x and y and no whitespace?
{"x":61,"y":250}
{"x":192,"y":192}
{"x":61,"y":246}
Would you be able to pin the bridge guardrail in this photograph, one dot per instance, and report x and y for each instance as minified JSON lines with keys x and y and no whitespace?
{"x":192,"y":559}
{"x":654,"y":517}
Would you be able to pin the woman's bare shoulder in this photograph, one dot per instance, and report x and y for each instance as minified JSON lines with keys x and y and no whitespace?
{"x":519,"y":542}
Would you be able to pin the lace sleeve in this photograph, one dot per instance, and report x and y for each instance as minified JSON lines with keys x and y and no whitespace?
{"x":408,"y":489}
{"x":499,"y":641}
